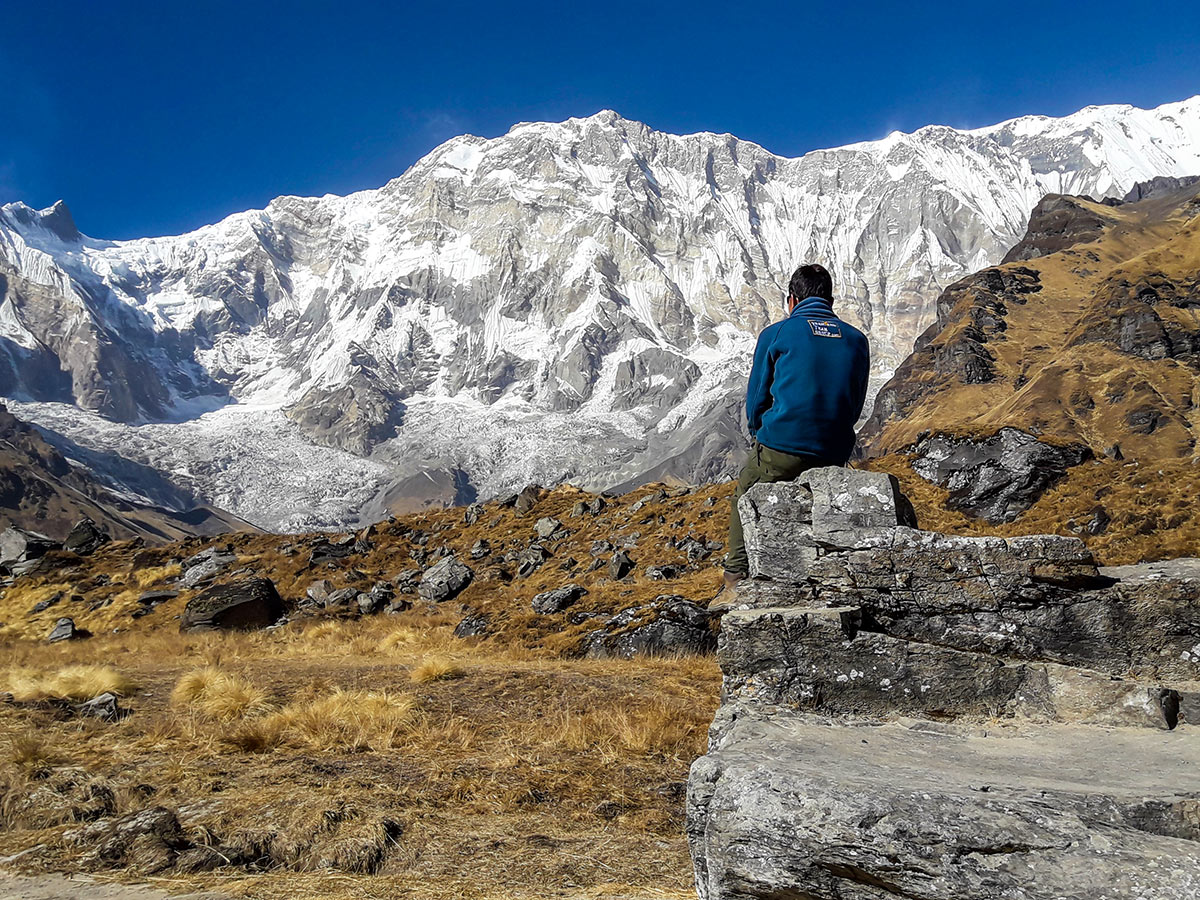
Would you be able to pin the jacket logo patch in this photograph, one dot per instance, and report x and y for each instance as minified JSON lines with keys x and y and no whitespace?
{"x":825,"y":328}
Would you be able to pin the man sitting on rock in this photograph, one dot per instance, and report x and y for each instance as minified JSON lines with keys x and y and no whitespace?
{"x":807,"y":389}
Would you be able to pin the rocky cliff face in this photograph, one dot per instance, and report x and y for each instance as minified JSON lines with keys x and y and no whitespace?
{"x":1085,"y":342}
{"x":506,"y":303}
{"x":43,"y":490}
{"x":910,"y":714}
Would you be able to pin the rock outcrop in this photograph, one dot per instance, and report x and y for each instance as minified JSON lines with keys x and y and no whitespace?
{"x":913,"y":714}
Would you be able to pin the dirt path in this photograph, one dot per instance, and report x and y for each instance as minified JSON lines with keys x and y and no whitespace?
{"x":79,"y":887}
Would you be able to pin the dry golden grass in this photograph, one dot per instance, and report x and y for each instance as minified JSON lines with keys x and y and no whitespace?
{"x":80,"y":682}
{"x":307,"y":744}
{"x":220,"y":694}
{"x":436,"y":668}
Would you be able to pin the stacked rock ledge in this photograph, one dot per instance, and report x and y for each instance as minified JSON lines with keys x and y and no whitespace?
{"x":912,"y":714}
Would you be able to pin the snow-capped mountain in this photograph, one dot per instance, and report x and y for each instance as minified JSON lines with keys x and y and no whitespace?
{"x":569,"y":301}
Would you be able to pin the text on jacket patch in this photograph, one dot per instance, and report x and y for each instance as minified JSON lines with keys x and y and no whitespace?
{"x":825,"y":328}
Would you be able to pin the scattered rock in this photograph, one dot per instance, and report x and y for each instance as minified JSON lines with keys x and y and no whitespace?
{"x":252,"y":603}
{"x":104,"y":707}
{"x":531,"y":559}
{"x":472,"y":513}
{"x":342,"y":598}
{"x":546,"y":527}
{"x":85,"y":538}
{"x":663,"y":573}
{"x":527,"y":499}
{"x":445,"y":581}
{"x":473,"y":625}
{"x":591,"y":507}
{"x":555,"y":601}
{"x":480,"y":549}
{"x":599,"y":548}
{"x":318,"y":592}
{"x":206,"y":565}
{"x":44,"y":605}
{"x":326,"y":551}
{"x":65,"y":630}
{"x":406,"y":582}
{"x":667,"y":626}
{"x":620,"y":565}
{"x":153,"y":598}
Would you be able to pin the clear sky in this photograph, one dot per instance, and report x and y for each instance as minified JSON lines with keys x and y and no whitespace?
{"x":154,"y":118}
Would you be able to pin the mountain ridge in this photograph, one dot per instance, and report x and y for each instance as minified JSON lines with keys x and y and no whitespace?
{"x":572,"y":301}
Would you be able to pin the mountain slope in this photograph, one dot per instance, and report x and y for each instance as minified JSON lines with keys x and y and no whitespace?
{"x":43,"y":491}
{"x":1091,"y":349}
{"x":573,"y":301}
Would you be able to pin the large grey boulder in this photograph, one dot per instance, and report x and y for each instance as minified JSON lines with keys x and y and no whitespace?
{"x":445,"y":580}
{"x":19,"y":547}
{"x":243,"y":605}
{"x":810,"y":809}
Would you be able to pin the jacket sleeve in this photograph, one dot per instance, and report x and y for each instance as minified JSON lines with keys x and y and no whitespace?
{"x":758,"y":390}
{"x":862,"y":378}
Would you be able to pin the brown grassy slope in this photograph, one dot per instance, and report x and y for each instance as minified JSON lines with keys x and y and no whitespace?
{"x":114,"y":578}
{"x":41,"y":491}
{"x":512,"y":768}
{"x":1103,"y":352}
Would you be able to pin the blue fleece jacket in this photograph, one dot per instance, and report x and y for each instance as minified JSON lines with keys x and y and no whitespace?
{"x":808,"y":383}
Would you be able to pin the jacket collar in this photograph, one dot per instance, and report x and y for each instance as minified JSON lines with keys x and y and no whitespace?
{"x":814,"y":307}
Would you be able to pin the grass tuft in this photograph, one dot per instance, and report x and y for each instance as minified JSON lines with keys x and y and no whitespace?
{"x":220,"y":694}
{"x":436,"y":668}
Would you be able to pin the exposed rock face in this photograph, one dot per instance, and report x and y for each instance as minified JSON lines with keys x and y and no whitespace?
{"x":1058,"y":222}
{"x":995,"y":478}
{"x":252,"y":603}
{"x":789,"y":808}
{"x":1023,"y":644}
{"x":518,"y":291}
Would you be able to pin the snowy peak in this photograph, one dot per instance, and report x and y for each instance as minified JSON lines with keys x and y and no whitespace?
{"x":568,"y":300}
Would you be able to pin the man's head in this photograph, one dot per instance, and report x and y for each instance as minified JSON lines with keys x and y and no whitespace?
{"x":810,"y":280}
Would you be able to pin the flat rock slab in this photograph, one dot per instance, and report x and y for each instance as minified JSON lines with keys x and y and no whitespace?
{"x":797,"y":807}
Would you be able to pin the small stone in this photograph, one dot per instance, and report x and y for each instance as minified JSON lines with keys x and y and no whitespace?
{"x":546,"y":527}
{"x":65,"y":630}
{"x":620,"y":565}
{"x":557,"y":600}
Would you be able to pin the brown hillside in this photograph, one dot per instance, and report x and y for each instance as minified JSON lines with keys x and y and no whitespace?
{"x":1096,"y":344}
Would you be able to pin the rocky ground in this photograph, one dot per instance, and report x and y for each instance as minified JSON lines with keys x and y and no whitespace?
{"x":495,"y":701}
{"x":911,"y":714}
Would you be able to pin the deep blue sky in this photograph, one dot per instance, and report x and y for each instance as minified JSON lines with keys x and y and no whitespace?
{"x":156,"y":118}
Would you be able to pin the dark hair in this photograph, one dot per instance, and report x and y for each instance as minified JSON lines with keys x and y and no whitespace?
{"x":811,"y":281}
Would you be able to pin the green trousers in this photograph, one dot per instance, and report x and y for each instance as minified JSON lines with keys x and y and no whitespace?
{"x":765,"y":465}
